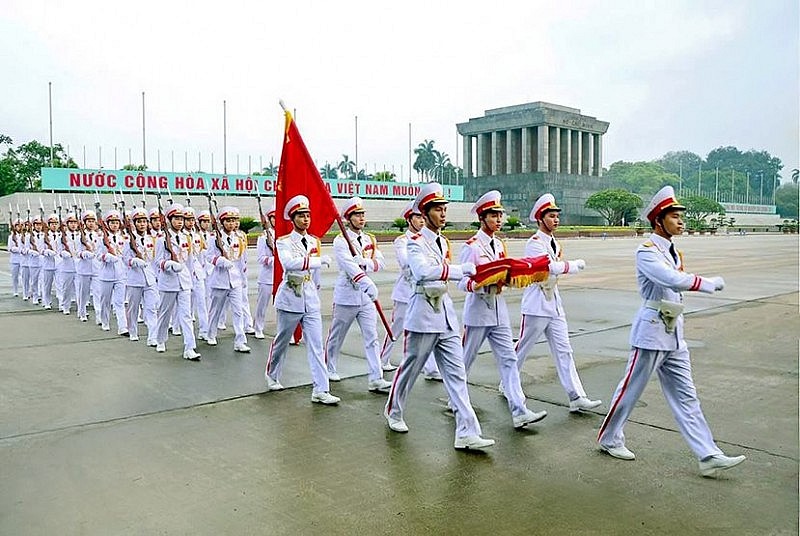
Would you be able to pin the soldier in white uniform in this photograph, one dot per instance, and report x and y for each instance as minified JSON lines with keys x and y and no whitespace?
{"x":486,"y":312}
{"x":226,"y":280}
{"x":35,"y":260}
{"x":247,"y":317}
{"x":66,"y":267}
{"x":141,"y":282}
{"x":542,"y":310}
{"x":432,"y":324}
{"x":297,"y":301}
{"x":657,"y":341}
{"x":15,"y":259}
{"x":112,"y":275}
{"x":50,"y":238}
{"x":198,"y":269}
{"x":175,"y":283}
{"x":88,"y":246}
{"x":265,"y":251}
{"x":401,"y":294}
{"x":354,"y":293}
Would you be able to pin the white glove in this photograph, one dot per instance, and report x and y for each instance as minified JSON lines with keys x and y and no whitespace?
{"x":34,"y":252}
{"x":224,"y":263}
{"x":110,"y":257}
{"x":326,"y":261}
{"x":719,"y":283}
{"x":85,"y":254}
{"x":174,"y":266}
{"x":49,"y":253}
{"x":468,"y":268}
{"x":66,"y":254}
{"x":372,"y":291}
{"x":580,"y":263}
{"x":138,"y":263}
{"x":361,"y":261}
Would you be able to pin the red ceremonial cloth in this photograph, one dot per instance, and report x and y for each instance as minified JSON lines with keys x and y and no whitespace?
{"x":516,"y":273}
{"x":297,"y":175}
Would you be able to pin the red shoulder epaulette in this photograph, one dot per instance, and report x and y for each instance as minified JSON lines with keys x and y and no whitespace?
{"x":471,"y":240}
{"x":415,"y":236}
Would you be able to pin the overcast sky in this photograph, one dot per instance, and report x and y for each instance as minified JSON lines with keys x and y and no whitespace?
{"x":668,"y":75}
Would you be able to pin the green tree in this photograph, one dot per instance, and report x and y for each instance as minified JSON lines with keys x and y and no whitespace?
{"x":681,"y":163}
{"x":698,"y":208}
{"x":20,"y":168}
{"x":246,"y":223}
{"x":795,"y":175}
{"x":441,"y":165}
{"x":134,"y":167}
{"x":641,"y":177}
{"x":426,"y":159}
{"x":511,"y":223}
{"x":384,"y":176}
{"x":786,"y":200}
{"x":328,"y":172}
{"x":400,"y":223}
{"x":346,"y":167}
{"x":613,"y":204}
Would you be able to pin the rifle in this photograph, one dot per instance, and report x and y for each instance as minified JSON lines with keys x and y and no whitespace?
{"x":63,"y":228}
{"x":101,"y":222}
{"x":46,"y":232}
{"x":128,"y":227}
{"x":214,"y":224}
{"x":31,"y":238}
{"x":167,"y":238}
{"x":12,"y":232}
{"x":264,"y":221}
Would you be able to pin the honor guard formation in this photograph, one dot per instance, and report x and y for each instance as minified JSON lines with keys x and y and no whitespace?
{"x":175,"y":269}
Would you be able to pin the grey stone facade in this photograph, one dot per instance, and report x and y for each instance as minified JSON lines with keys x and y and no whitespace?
{"x":529,"y":149}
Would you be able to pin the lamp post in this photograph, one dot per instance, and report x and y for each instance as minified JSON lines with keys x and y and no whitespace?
{"x":761,"y":189}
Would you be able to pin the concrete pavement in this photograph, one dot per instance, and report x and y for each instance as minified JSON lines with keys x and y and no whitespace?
{"x":99,"y":435}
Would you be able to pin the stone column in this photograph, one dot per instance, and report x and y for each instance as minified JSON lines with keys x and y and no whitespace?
{"x":513,"y":156}
{"x":597,"y":155}
{"x":498,"y":152}
{"x":526,"y":149}
{"x":484,"y":154}
{"x":575,"y":160}
{"x":542,"y":148}
{"x":566,"y":146}
{"x":554,"y":143}
{"x":586,"y":153}
{"x":467,"y":154}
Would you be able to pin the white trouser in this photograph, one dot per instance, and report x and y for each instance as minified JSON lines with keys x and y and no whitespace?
{"x":247,"y":318}
{"x":557,"y":334}
{"x":220,"y":297}
{"x":25,"y":277}
{"x":112,"y":295}
{"x":47,"y":278}
{"x":96,"y":302}
{"x":446,"y":348}
{"x":170,"y":299}
{"x":199,"y":306}
{"x":312,"y":329}
{"x":262,"y":305}
{"x":69,"y":287}
{"x":83,"y":288}
{"x":15,"y":271}
{"x":398,"y":322}
{"x":503,"y":349}
{"x":343,"y":317}
{"x":675,"y":374}
{"x":148,"y":298}
{"x":33,"y":282}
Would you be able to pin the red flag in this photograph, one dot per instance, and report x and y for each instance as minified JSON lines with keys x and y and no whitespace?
{"x":297,"y":175}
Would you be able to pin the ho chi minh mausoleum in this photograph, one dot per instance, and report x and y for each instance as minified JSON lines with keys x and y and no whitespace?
{"x":529,"y":149}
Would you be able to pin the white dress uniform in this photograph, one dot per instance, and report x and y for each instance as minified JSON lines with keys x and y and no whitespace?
{"x":543,"y":312}
{"x":199,"y":270}
{"x":486,"y":315}
{"x":401,"y":294}
{"x":247,"y":316}
{"x":297,"y":302}
{"x":111,"y":278}
{"x":175,"y":287}
{"x":226,"y":282}
{"x":658,"y":345}
{"x":266,"y":269}
{"x":353,"y":296}
{"x":432,"y":326}
{"x":141,"y":283}
{"x":87,"y":247}
{"x":34,"y":264}
{"x":15,"y":257}
{"x":66,"y":267}
{"x":48,"y":263}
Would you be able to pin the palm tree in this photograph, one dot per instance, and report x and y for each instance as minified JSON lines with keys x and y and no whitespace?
{"x":271,"y":169}
{"x":346,"y":167}
{"x":795,"y":175}
{"x":425,"y":158}
{"x":328,"y":172}
{"x":441,"y":165}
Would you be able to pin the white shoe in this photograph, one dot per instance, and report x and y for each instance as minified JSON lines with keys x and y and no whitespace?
{"x":473,"y":443}
{"x":379,"y":386}
{"x":249,"y":331}
{"x":48,"y":307}
{"x":151,"y":342}
{"x":432,"y":376}
{"x":134,"y":338}
{"x":388,"y":367}
{"x":123,"y":332}
{"x":202,"y":336}
{"x":259,"y":334}
{"x":222,"y":326}
{"x":711,"y":466}
{"x":325,"y":398}
{"x":241,"y":348}
{"x":66,"y":312}
{"x":161,"y":347}
{"x":621,"y":453}
{"x":191,"y":355}
{"x":583,"y":403}
{"x":177,"y":332}
{"x":84,"y":319}
{"x":105,"y":327}
{"x":396,"y":425}
{"x":529,"y":417}
{"x":211,"y":342}
{"x":334,"y":377}
{"x":273,"y":385}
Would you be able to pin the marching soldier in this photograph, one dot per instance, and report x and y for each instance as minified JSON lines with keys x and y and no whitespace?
{"x":198,"y":269}
{"x":141,"y":283}
{"x":35,"y":260}
{"x":401,"y":294}
{"x":486,"y":312}
{"x":48,"y":260}
{"x":87,"y":249}
{"x":265,"y":251}
{"x":354,"y":294}
{"x":657,"y":341}
{"x":175,"y":283}
{"x":66,"y":267}
{"x":226,"y":280}
{"x":15,"y":259}
{"x":432,"y":324}
{"x":111,"y":276}
{"x":297,"y":301}
{"x":542,"y":310}
{"x":247,"y":317}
